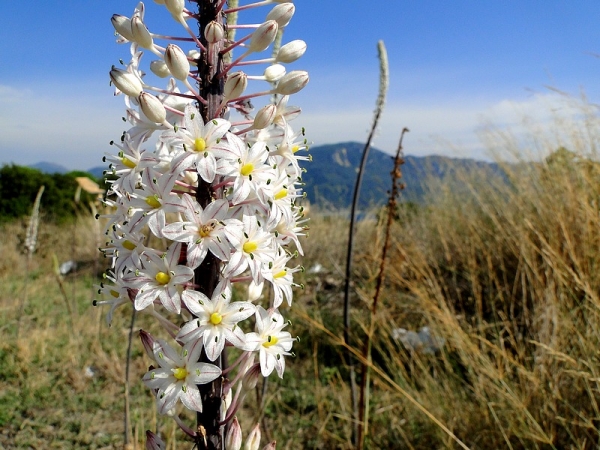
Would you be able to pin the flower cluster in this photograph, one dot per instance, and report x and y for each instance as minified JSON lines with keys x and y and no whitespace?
{"x":203,"y":197}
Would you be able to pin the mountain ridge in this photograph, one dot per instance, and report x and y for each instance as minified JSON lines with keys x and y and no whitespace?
{"x":330,"y":176}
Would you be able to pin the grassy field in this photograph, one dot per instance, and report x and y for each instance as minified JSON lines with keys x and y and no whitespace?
{"x":506,"y":273}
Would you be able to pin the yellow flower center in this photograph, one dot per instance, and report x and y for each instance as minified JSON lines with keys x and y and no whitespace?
{"x":247,"y":169}
{"x":271,"y":340}
{"x":180,"y":373}
{"x":295,"y":148}
{"x":153,"y":202}
{"x":250,"y":246}
{"x":199,"y":144}
{"x":129,"y":245}
{"x":280,"y":274}
{"x":162,"y":278}
{"x":205,"y":230}
{"x":281,"y":194}
{"x":216,"y":318}
{"x":127,"y":162}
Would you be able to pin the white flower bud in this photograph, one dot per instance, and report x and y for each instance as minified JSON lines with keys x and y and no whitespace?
{"x":152,"y":107}
{"x":126,"y":82}
{"x":253,"y":439}
{"x":291,"y":51}
{"x":159,"y":68}
{"x":292,"y":82}
{"x":233,"y":440}
{"x":282,"y":14}
{"x":234,"y":86}
{"x":175,"y":7}
{"x":214,"y":32}
{"x":264,"y":117}
{"x":270,"y":446}
{"x":177,"y":62}
{"x":255,"y":291}
{"x":193,"y":54}
{"x":122,"y":25}
{"x":274,"y":73}
{"x":140,"y":33}
{"x":263,"y":36}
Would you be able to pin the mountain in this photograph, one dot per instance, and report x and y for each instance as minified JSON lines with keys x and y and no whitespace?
{"x":331,"y":176}
{"x":98,"y":171}
{"x":48,"y":167}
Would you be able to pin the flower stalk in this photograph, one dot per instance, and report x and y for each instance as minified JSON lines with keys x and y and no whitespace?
{"x":221,"y":194}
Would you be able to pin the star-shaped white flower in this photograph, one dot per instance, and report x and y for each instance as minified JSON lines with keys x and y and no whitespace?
{"x":201,"y":143}
{"x":178,"y":376}
{"x":203,"y":231}
{"x":159,"y":277}
{"x":270,"y":341}
{"x":216,"y":320}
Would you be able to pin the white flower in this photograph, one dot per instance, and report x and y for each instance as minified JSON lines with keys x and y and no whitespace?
{"x":281,"y":278}
{"x":201,"y":142}
{"x":178,"y":376}
{"x":159,"y":277}
{"x":270,"y":341}
{"x":248,"y":169}
{"x":203,"y":231}
{"x":153,"y":200}
{"x":253,"y":247}
{"x":216,"y":320}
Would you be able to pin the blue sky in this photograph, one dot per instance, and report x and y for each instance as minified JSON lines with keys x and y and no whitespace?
{"x":454,"y":66}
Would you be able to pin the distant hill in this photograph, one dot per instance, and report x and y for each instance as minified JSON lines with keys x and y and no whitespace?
{"x":331,"y":175}
{"x":48,"y":167}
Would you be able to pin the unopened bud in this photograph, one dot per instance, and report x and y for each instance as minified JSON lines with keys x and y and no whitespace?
{"x":270,"y":446}
{"x":177,"y":62}
{"x":214,"y":32}
{"x":140,"y":33}
{"x":292,"y":82}
{"x":193,"y":54}
{"x":233,"y":440}
{"x":291,"y":51}
{"x":152,"y":107}
{"x":274,"y":72}
{"x":255,"y":291}
{"x":122,"y":25}
{"x":175,"y":7}
{"x":159,"y":68}
{"x":251,"y":378}
{"x":234,"y":86}
{"x":154,"y":442}
{"x":126,"y":82}
{"x":263,"y":36}
{"x":226,"y":404}
{"x":253,"y":439}
{"x":148,"y":343}
{"x":282,"y":14}
{"x":264,"y":117}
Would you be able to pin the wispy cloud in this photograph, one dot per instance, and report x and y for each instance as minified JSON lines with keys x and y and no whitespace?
{"x":71,"y":126}
{"x":453,"y":128}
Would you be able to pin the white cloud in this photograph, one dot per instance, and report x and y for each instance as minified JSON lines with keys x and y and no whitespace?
{"x":69,"y":126}
{"x":453,"y":128}
{"x":73,"y":125}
